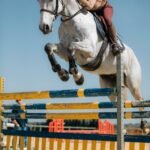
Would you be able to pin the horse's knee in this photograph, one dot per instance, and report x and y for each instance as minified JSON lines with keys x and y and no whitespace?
{"x":49,"y":48}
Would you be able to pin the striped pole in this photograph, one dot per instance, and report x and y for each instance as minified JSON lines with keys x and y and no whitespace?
{"x":78,"y":136}
{"x":59,"y":94}
{"x":78,"y":115}
{"x":72,"y":106}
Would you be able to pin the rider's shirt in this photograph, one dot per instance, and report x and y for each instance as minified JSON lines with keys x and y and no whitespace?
{"x":93,"y":4}
{"x":99,"y":4}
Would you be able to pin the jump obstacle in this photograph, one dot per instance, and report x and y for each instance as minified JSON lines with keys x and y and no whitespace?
{"x":76,"y":141}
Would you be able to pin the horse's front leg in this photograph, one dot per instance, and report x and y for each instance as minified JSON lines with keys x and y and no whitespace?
{"x":78,"y":77}
{"x":75,"y":48}
{"x":50,"y":49}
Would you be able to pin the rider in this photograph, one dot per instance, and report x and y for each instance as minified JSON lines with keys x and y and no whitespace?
{"x":103,"y":9}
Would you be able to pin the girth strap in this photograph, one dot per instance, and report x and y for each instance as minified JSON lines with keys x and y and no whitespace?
{"x":95,"y":64}
{"x":100,"y":26}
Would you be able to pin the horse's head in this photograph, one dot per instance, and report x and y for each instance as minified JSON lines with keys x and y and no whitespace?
{"x":49,"y":9}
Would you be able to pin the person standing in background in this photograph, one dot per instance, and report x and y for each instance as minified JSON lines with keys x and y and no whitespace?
{"x":19,"y":124}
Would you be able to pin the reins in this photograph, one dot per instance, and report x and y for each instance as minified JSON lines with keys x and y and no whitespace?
{"x":71,"y":17}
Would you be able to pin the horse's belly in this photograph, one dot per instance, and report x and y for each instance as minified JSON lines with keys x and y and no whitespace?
{"x":105,"y":70}
{"x":109,"y":63}
{"x":108,"y":66}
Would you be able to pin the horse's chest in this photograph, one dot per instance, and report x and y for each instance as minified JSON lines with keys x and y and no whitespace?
{"x":71,"y":33}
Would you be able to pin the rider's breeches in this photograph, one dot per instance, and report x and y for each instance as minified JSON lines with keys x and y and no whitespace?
{"x":107,"y":14}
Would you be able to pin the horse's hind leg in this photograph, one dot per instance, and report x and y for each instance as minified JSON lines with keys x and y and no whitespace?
{"x":133,"y":82}
{"x":109,"y":81}
{"x":62,"y":73}
{"x":134,"y":85}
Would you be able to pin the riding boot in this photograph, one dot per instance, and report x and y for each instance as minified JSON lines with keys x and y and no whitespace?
{"x":116,"y":49}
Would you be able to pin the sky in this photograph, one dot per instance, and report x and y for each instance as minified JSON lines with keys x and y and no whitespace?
{"x":24,"y":64}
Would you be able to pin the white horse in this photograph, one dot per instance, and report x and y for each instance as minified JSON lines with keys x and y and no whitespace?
{"x":79,"y":37}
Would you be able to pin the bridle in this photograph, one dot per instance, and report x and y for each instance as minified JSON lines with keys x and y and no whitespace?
{"x":55,"y":12}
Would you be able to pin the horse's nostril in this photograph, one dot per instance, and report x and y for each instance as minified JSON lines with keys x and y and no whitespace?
{"x":46,"y":27}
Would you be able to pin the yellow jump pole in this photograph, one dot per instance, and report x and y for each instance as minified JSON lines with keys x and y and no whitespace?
{"x":1,"y":118}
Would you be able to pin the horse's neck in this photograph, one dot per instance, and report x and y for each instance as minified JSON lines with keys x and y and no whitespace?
{"x":71,"y":7}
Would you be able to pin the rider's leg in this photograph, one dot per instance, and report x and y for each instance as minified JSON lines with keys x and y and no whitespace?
{"x":107,"y":14}
{"x":112,"y":34}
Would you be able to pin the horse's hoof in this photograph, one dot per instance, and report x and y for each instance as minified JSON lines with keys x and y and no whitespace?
{"x":80,"y":81}
{"x":64,"y":75}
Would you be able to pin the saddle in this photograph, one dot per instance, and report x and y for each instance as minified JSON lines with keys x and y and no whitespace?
{"x":103,"y":30}
{"x":101,"y":26}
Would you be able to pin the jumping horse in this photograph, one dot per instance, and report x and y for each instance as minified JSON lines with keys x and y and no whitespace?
{"x":80,"y":43}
